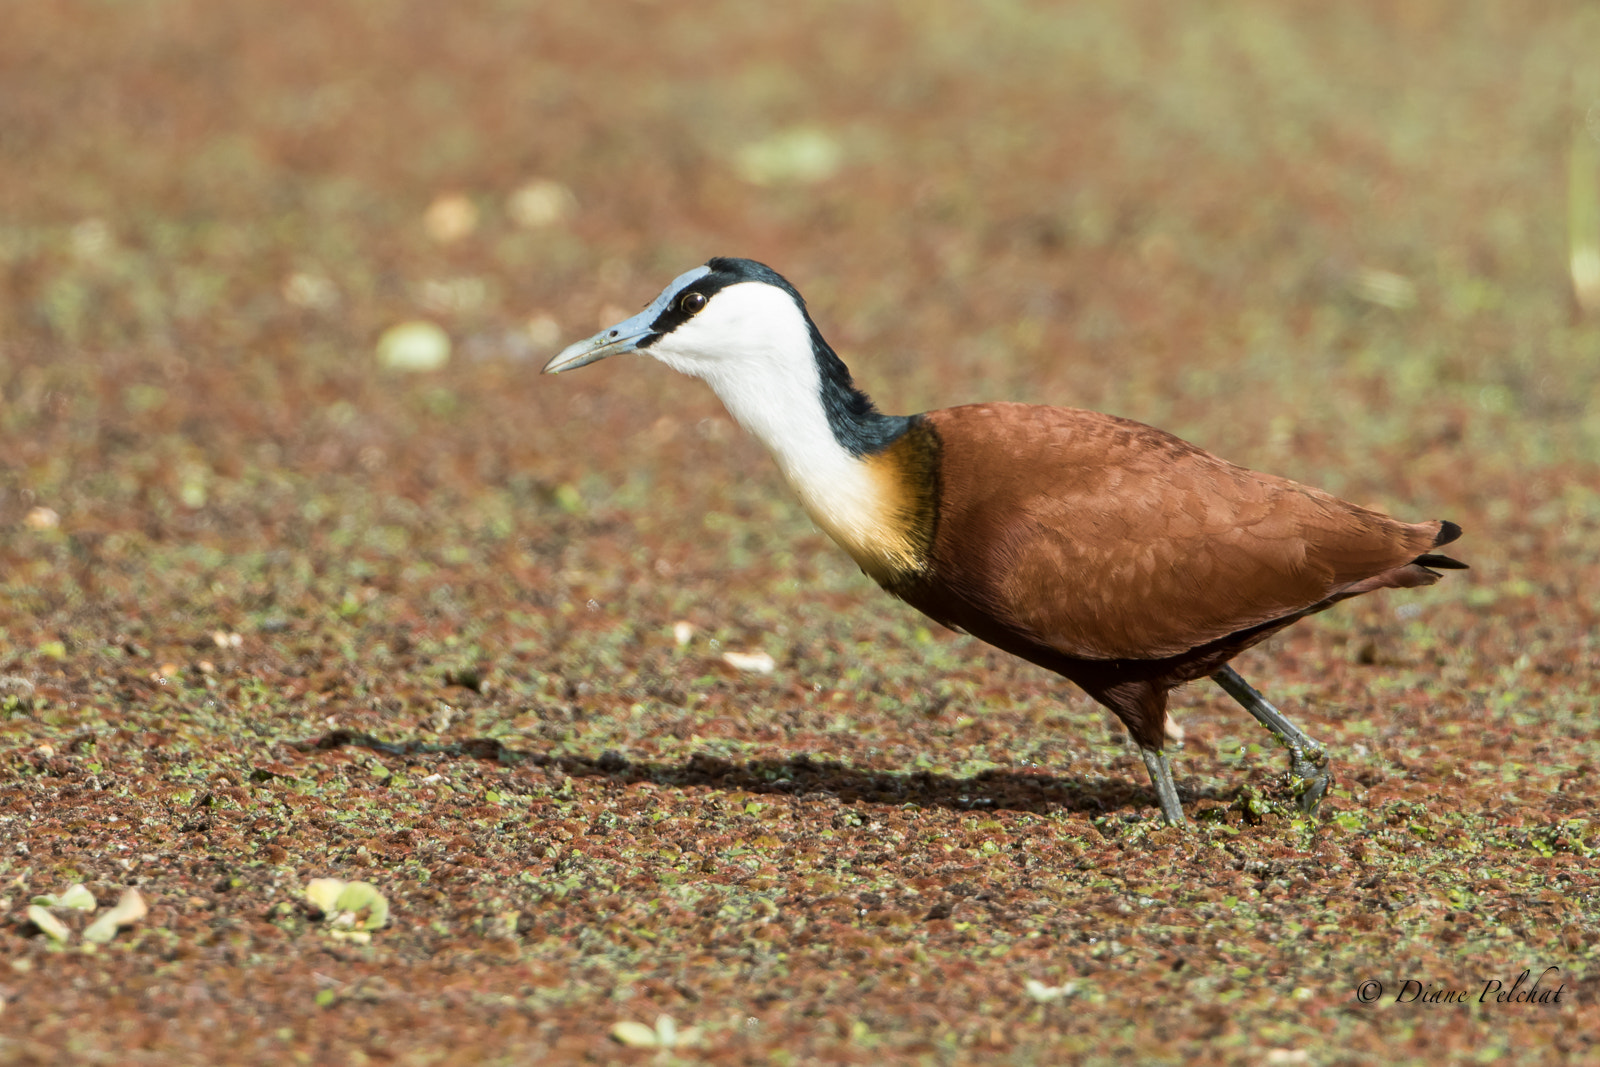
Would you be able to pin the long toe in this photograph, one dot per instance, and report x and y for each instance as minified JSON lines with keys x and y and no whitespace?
{"x":1312,"y":787}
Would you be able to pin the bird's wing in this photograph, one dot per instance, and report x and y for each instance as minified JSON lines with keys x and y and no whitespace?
{"x":1104,"y":538}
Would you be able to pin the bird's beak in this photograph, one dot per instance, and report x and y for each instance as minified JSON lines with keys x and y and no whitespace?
{"x":625,"y":336}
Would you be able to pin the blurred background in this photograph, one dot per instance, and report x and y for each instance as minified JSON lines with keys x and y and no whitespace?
{"x":276,"y":279}
{"x":276,"y":282}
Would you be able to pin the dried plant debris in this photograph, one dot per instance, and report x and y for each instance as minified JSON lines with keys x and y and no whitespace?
{"x":129,"y":909}
{"x":415,"y":346}
{"x":75,"y":896}
{"x":48,"y":924}
{"x":1048,"y":994}
{"x":352,"y":909}
{"x":751,"y":662}
{"x":665,"y":1035}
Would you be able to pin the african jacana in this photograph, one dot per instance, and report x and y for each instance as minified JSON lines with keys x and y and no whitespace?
{"x":1105,"y":550}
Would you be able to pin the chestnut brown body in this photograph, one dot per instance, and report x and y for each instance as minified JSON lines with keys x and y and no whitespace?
{"x":1126,"y":559}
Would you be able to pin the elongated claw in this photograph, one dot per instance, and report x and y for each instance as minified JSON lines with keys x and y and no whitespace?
{"x":1310,"y":783}
{"x":1309,"y":775}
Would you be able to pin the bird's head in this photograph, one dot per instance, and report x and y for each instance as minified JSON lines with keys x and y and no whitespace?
{"x":729,"y":317}
{"x":742,"y":329}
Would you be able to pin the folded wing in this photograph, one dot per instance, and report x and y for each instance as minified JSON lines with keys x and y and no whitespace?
{"x":1103,"y":538}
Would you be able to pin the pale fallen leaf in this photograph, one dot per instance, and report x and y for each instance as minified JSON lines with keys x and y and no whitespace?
{"x":76,"y":896}
{"x":307,"y":290}
{"x":53,"y":928}
{"x":129,"y":910}
{"x":543,"y":330}
{"x":324,"y":893}
{"x":352,"y":908}
{"x":634,"y":1035}
{"x":92,"y":239}
{"x":1045,"y":994}
{"x":417,"y":345}
{"x":664,"y":1036}
{"x":754,"y":662}
{"x":365,"y":907}
{"x":800,"y":155}
{"x":450,"y":217}
{"x":541,"y":203}
{"x":1384,"y":288}
{"x":41,"y":518}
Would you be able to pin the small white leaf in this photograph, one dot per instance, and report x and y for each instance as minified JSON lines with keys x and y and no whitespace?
{"x":418,"y":345}
{"x":450,"y":217}
{"x":1045,"y":994}
{"x":129,"y":910}
{"x":634,"y":1035}
{"x":754,"y":662}
{"x":42,"y":518}
{"x":53,"y":928}
{"x":75,"y":896}
{"x":541,"y":203}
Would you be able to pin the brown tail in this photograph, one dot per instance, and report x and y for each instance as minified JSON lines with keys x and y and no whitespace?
{"x":1417,"y":572}
{"x":1448,"y":531}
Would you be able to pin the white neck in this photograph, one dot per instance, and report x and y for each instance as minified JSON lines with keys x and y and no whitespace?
{"x":752,"y":346}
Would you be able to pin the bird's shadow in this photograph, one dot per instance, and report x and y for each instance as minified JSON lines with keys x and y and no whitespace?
{"x":990,"y":790}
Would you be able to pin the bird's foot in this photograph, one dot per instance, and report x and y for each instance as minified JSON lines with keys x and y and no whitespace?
{"x":1309,"y":777}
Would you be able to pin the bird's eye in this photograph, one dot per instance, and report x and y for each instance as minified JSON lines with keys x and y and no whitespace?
{"x":692,"y":302}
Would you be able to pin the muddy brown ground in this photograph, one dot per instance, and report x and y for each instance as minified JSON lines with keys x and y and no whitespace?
{"x":271,"y":611}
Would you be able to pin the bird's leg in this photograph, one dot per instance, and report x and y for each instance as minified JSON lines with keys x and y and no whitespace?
{"x":1308,"y":761}
{"x":1155,"y":761}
